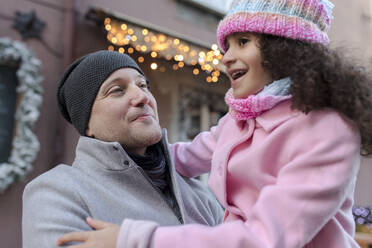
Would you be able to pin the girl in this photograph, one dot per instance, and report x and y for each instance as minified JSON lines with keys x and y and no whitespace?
{"x":284,"y":160}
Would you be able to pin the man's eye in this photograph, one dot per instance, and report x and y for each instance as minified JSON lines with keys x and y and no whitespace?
{"x":115,"y":90}
{"x":143,"y":85}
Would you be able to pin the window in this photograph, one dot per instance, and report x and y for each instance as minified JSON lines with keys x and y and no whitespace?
{"x":199,"y":110}
{"x":8,"y":95}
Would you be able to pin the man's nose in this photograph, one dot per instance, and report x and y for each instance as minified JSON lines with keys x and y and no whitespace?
{"x":138,"y":96}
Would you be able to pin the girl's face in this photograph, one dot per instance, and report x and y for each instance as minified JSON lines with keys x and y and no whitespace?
{"x":243,"y":65}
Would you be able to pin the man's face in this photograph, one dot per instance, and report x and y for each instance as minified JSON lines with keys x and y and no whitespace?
{"x":125,"y":111}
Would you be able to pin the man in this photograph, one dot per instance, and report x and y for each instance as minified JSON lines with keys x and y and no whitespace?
{"x":122,"y":167}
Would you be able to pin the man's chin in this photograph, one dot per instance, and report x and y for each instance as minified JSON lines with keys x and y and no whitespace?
{"x":146,"y":137}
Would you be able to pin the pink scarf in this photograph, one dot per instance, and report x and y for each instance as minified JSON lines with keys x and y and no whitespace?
{"x":255,"y":105}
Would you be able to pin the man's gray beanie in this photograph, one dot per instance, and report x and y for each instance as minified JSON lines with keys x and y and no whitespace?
{"x":81,"y":81}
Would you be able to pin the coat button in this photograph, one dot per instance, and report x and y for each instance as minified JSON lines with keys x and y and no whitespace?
{"x":126,"y":162}
{"x":115,"y":148}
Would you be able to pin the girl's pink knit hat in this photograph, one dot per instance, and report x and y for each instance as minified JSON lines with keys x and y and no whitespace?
{"x":307,"y":20}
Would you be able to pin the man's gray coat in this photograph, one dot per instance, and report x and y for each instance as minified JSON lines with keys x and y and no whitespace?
{"x":104,"y":183}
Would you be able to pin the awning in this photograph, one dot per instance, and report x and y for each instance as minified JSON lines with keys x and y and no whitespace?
{"x":127,"y":34}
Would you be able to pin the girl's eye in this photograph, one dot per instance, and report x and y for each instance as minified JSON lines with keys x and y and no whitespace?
{"x":243,"y":41}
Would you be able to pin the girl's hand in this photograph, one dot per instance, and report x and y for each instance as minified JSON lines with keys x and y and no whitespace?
{"x":104,"y":236}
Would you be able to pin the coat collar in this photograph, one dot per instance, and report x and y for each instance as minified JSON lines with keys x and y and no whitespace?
{"x":99,"y":154}
{"x":92,"y":152}
{"x":276,"y":116}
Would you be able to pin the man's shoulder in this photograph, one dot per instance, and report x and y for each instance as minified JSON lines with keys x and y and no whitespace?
{"x":59,"y":177}
{"x":57,"y":173}
{"x":52,"y":205}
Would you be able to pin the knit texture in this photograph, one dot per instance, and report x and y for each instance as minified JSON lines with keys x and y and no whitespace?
{"x":81,"y":81}
{"x":154,"y":164}
{"x":255,"y":105}
{"x":306,"y":20}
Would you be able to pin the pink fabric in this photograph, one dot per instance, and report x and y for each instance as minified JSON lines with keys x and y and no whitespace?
{"x":252,"y":106}
{"x":285,"y":178}
{"x":280,"y":25}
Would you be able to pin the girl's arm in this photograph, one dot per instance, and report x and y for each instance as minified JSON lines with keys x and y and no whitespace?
{"x":194,"y":158}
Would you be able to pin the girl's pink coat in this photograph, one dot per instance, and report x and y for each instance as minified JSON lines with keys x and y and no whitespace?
{"x":285,"y":178}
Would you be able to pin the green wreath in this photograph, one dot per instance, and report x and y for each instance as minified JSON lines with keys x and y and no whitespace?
{"x":25,"y":144}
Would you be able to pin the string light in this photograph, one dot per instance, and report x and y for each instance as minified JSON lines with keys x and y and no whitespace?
{"x":154,"y":54}
{"x":160,"y":45}
{"x":141,"y":59}
{"x":154,"y":66}
{"x":162,"y":38}
{"x":216,"y":73}
{"x":107,"y":21}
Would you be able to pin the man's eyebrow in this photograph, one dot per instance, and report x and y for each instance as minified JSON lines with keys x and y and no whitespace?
{"x":119,"y":79}
{"x":113,"y":81}
{"x":142,"y":77}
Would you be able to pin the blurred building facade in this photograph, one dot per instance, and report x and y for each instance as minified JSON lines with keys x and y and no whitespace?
{"x":190,"y":99}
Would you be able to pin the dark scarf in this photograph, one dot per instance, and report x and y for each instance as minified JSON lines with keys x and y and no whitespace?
{"x":154,"y":165}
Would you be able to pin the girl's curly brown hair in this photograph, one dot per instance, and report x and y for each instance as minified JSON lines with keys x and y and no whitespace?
{"x":321,"y":78}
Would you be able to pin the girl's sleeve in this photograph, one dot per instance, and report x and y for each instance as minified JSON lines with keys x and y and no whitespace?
{"x":311,"y":193}
{"x":194,"y":158}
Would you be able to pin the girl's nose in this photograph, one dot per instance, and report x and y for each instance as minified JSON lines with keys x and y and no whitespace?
{"x":229,"y":57}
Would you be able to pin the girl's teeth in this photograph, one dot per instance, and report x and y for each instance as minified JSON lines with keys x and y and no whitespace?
{"x":237,"y":74}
